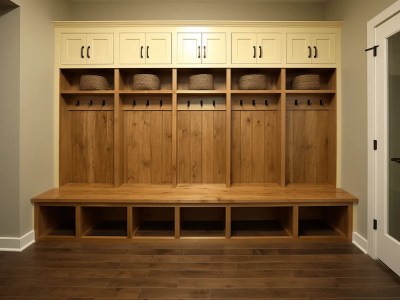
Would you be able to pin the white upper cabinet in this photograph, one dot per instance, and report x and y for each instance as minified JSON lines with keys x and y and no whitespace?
{"x":261,"y":48}
{"x":144,"y":48}
{"x":198,"y":48}
{"x":314,"y":48}
{"x":87,"y":49}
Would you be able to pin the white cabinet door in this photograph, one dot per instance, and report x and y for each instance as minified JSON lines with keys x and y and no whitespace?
{"x":100,"y":49}
{"x":189,"y":48}
{"x":213,"y":48}
{"x":132,"y":48}
{"x":269,"y":47}
{"x":73,"y":49}
{"x":299,"y":50}
{"x":244,"y":48}
{"x":158,"y":48}
{"x":324,"y":46}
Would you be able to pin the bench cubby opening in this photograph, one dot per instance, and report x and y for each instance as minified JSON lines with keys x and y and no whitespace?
{"x":57,"y":221}
{"x":153,"y":221}
{"x":104,"y":221}
{"x":202,"y":221}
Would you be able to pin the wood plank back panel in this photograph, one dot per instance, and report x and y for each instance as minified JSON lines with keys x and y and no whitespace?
{"x":148,"y":147}
{"x":201,"y":146}
{"x":254,"y":147}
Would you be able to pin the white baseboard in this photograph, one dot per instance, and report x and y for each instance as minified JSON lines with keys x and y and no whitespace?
{"x":360,"y":242}
{"x":17,"y":244}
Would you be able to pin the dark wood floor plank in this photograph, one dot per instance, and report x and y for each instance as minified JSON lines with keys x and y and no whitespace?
{"x":278,"y":293}
{"x":151,"y":293}
{"x":143,"y":282}
{"x":180,"y":266}
{"x":303,"y":266}
{"x":391,"y":281}
{"x":354,"y":292}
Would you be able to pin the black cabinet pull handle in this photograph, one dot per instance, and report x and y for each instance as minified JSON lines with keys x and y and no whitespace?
{"x":148,"y":54}
{"x":199,"y":56}
{"x":88,"y":52}
{"x":396,"y":160}
{"x":83,"y":48}
{"x":309,"y":52}
{"x":204,"y":52}
{"x":254,"y":52}
{"x":260,"y":56}
{"x":141,"y":51}
{"x":316,"y":52}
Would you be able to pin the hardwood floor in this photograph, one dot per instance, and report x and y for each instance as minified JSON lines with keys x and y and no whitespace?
{"x":95,"y":270}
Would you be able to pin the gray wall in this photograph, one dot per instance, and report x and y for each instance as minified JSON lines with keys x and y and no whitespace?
{"x":9,"y":121}
{"x":355,"y":14}
{"x":198,"y":10}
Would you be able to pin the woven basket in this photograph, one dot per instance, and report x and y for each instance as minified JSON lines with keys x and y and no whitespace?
{"x":255,"y":82}
{"x":146,"y":82}
{"x":306,"y":82}
{"x":93,"y":82}
{"x":201,"y":82}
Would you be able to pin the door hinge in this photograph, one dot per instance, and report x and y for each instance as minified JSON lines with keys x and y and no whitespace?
{"x":375,"y":224}
{"x":375,"y":144}
{"x":374,"y":49}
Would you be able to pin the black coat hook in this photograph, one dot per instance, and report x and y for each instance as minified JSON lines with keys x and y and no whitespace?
{"x":266,"y":102}
{"x":309,"y":102}
{"x":103,"y":103}
{"x":214,"y":103}
{"x":133,"y":103}
{"x":321,"y":102}
{"x":188,"y":104}
{"x":201,"y":103}
{"x":296,"y":102}
{"x":147,"y":103}
{"x":77,"y":103}
{"x":254,"y":102}
{"x":161,"y":103}
{"x":241,"y":102}
{"x":90,"y":102}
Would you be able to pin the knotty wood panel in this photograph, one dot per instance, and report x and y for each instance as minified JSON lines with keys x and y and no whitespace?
{"x":87,"y":147}
{"x":201,"y":146}
{"x":310,"y":140}
{"x":148,"y":146}
{"x":254,"y":146}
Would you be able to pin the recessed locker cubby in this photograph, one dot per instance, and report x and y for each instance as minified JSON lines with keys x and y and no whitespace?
{"x":104,"y":221}
{"x":256,"y":138}
{"x":202,"y":221}
{"x":126,"y":78}
{"x":86,"y":139}
{"x":153,"y":221}
{"x":273,"y":77}
{"x":57,"y":221}
{"x":327,"y":77}
{"x":147,"y":136}
{"x":261,"y":221}
{"x":70,"y":78}
{"x":311,"y":138}
{"x":323,"y":221}
{"x":219,"y":78}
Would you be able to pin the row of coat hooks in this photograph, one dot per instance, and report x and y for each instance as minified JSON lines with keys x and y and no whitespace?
{"x":201,"y":103}
{"x":147,"y":103}
{"x":90,"y":103}
{"x":253,"y":102}
{"x":309,"y":102}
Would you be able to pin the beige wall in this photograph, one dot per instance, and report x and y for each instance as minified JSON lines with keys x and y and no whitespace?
{"x":198,"y":10}
{"x":355,"y":14}
{"x":9,"y":122}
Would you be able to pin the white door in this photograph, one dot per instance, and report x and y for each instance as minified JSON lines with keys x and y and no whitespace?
{"x":158,"y":48}
{"x":244,"y":48}
{"x":324,"y":48}
{"x":73,"y":49}
{"x":213,"y":48}
{"x":189,"y":48}
{"x":387,"y":105}
{"x":132,"y":48}
{"x":299,"y":50}
{"x":100,"y":49}
{"x":269,"y":48}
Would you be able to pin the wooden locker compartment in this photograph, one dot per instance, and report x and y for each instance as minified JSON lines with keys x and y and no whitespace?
{"x":153,"y":221}
{"x":219,"y":77}
{"x":70,"y":78}
{"x":327,"y":78}
{"x":126,"y":80}
{"x":274,"y":85}
{"x":104,"y":221}
{"x":56,"y":220}
{"x":203,"y":222}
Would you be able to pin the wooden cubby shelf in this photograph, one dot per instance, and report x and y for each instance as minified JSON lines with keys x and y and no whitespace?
{"x":181,"y":164}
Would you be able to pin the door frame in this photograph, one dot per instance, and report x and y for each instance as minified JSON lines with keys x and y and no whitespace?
{"x":372,"y":196}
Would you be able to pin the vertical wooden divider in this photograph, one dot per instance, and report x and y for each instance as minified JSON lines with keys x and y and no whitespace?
{"x":177,"y":222}
{"x":174,"y":167}
{"x":129,"y":221}
{"x":78,"y":221}
{"x":118,"y":133}
{"x":282,"y":133}
{"x":228,"y":127}
{"x":37,"y":221}
{"x":228,"y":222}
{"x":295,"y":221}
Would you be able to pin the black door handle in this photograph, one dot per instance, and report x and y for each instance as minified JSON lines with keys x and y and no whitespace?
{"x":88,"y":52}
{"x":260,"y":52}
{"x":204,"y":52}
{"x":316,"y":52}
{"x":254,"y":52}
{"x":83,"y":47}
{"x":309,"y":52}
{"x":141,"y":51}
{"x":396,"y":159}
{"x":148,"y":54}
